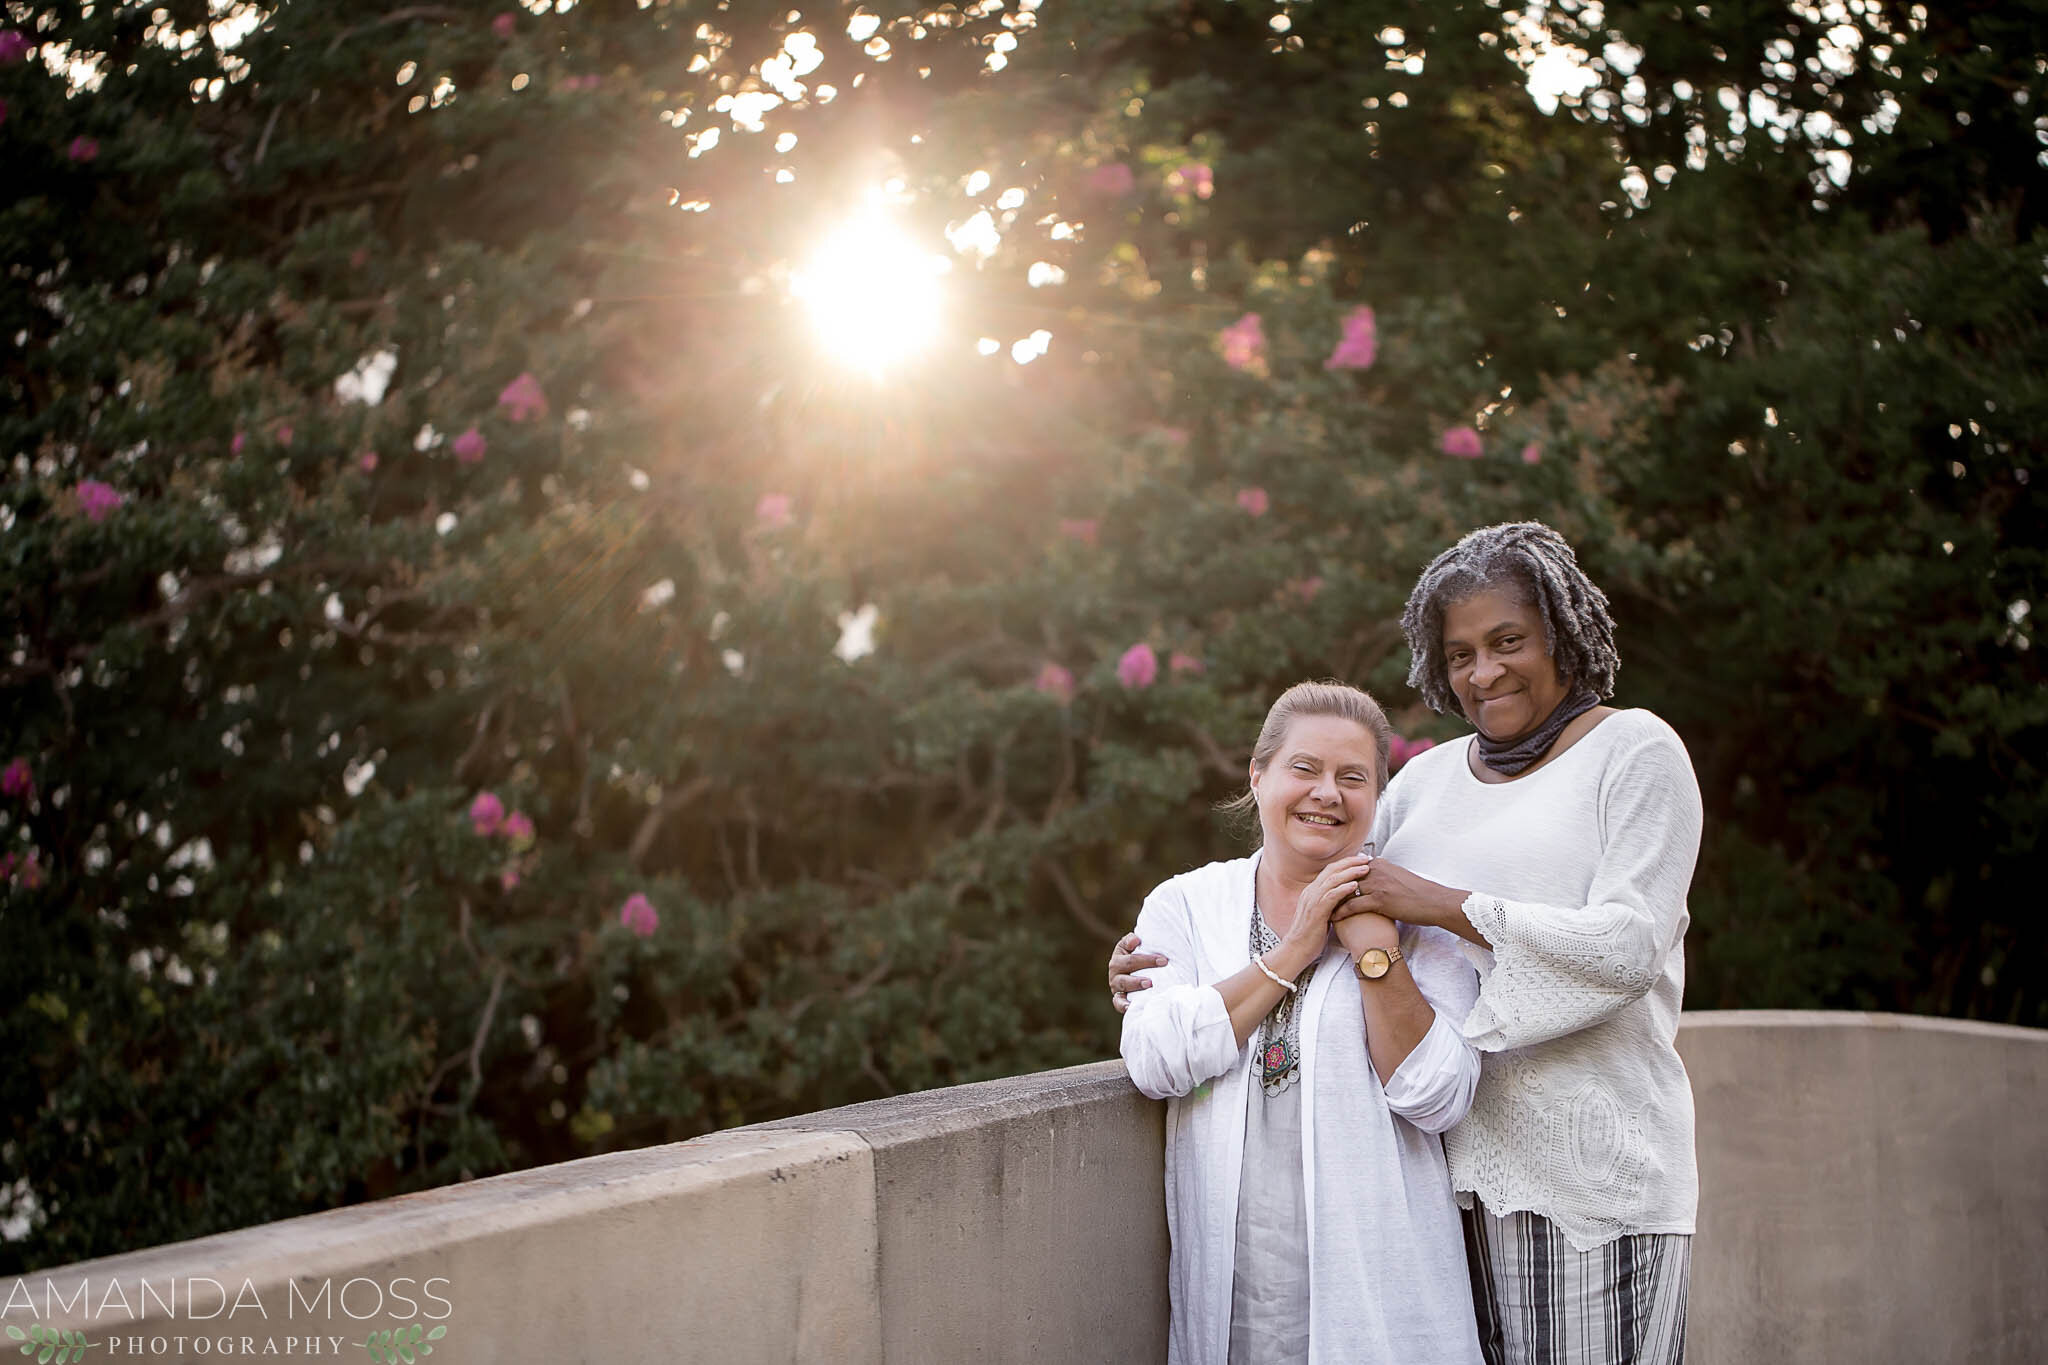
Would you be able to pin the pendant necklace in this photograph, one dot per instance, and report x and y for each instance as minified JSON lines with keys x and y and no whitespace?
{"x":1280,"y":1032}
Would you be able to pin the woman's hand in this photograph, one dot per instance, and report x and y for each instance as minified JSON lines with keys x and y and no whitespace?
{"x":1124,"y":961}
{"x":1320,"y":902}
{"x":1389,"y":889}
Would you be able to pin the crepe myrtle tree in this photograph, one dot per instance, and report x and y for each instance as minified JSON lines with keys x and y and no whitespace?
{"x":486,"y":686}
{"x":383,"y":432}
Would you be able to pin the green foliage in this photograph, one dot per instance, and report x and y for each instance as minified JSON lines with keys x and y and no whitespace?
{"x":49,"y":1344}
{"x":406,"y":1344}
{"x":270,"y":964}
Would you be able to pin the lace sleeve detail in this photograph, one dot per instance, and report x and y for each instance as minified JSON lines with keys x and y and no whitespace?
{"x":1559,"y":969}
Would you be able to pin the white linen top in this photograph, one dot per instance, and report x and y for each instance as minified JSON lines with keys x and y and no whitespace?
{"x":1387,"y":1277}
{"x":1578,"y":873}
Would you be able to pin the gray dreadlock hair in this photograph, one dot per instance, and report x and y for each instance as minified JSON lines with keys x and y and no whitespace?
{"x":1536,"y":566}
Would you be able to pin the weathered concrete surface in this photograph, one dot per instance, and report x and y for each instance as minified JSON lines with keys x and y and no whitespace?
{"x":1019,"y":1220}
{"x":746,"y":1246}
{"x":1873,"y":1189}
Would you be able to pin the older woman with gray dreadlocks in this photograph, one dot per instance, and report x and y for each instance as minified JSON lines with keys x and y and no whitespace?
{"x":1558,"y":842}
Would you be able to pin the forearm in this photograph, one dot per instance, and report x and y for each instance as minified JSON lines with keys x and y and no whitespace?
{"x":1396,"y":1014}
{"x":1250,"y":995}
{"x":1396,"y":1018}
{"x":1444,"y":907}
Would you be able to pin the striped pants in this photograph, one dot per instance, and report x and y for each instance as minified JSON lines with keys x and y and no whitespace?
{"x":1539,"y":1302}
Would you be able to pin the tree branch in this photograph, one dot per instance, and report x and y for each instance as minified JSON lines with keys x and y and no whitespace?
{"x":651,"y":823}
{"x":483,"y":1029}
{"x":397,"y":16}
{"x":1212,"y":752}
{"x":1070,"y":897}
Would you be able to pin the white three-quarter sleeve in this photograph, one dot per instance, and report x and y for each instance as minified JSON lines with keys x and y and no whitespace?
{"x":1559,"y":969}
{"x":1177,"y":1033}
{"x":1433,"y":1086}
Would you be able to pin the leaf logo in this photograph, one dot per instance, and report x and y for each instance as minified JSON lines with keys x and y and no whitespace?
{"x":55,"y":1345}
{"x":403,"y":1344}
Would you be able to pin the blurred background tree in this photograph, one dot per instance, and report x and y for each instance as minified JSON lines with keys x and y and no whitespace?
{"x":580,"y":573}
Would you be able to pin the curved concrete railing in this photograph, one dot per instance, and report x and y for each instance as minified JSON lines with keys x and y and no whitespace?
{"x":1874,"y":1189}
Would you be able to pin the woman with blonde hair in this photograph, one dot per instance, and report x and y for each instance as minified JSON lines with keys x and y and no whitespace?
{"x":1307,"y":1072}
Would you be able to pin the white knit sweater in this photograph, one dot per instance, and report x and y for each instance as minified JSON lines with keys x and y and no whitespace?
{"x":1578,"y":873}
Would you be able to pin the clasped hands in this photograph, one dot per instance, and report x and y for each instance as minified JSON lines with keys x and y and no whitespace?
{"x":1384,"y":893}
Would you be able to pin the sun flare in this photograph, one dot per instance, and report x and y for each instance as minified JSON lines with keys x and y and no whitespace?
{"x":873,"y":295}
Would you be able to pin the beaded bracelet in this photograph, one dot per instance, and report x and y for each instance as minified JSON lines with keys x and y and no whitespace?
{"x":1282,"y":982}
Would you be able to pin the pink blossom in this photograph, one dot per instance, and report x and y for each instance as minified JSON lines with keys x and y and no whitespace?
{"x":518,"y":827}
{"x":774,"y":510}
{"x":284,"y":433}
{"x":1460,"y":442}
{"x":1401,"y":750}
{"x":509,"y":878}
{"x":1304,"y":589}
{"x":522,"y":398}
{"x":1083,"y":529}
{"x":638,"y":914}
{"x":486,"y":814}
{"x":1195,"y":178}
{"x":1055,"y":681}
{"x":84,"y":149}
{"x":1139,"y":667}
{"x":1112,"y":178}
{"x":469,"y":447}
{"x":1244,"y":342}
{"x":31,"y":874}
{"x":1186,"y":663}
{"x":1253,"y":500}
{"x":1177,"y":436}
{"x":504,"y":25}
{"x":96,"y":499}
{"x":1359,"y":344}
{"x":235,"y":446}
{"x":1532,"y":453}
{"x":14,"y":45}
{"x":367,"y":461}
{"x":15,"y":778}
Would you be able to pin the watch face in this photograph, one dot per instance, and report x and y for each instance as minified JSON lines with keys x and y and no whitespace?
{"x":1374,"y":963}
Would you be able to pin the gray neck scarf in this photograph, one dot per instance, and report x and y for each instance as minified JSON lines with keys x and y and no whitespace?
{"x":1517,"y":756}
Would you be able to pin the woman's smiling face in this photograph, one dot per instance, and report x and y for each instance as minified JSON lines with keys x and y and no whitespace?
{"x":1499,"y":668}
{"x":1317,"y":796}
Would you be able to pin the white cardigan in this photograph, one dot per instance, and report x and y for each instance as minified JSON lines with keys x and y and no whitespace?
{"x":1387,"y":1272}
{"x":1579,"y":873}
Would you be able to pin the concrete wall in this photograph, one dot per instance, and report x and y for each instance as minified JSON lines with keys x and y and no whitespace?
{"x":1874,"y":1189}
{"x":1019,"y":1220}
{"x":745,"y":1246}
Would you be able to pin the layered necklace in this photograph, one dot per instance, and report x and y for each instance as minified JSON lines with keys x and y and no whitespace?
{"x":1280,"y":1033}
